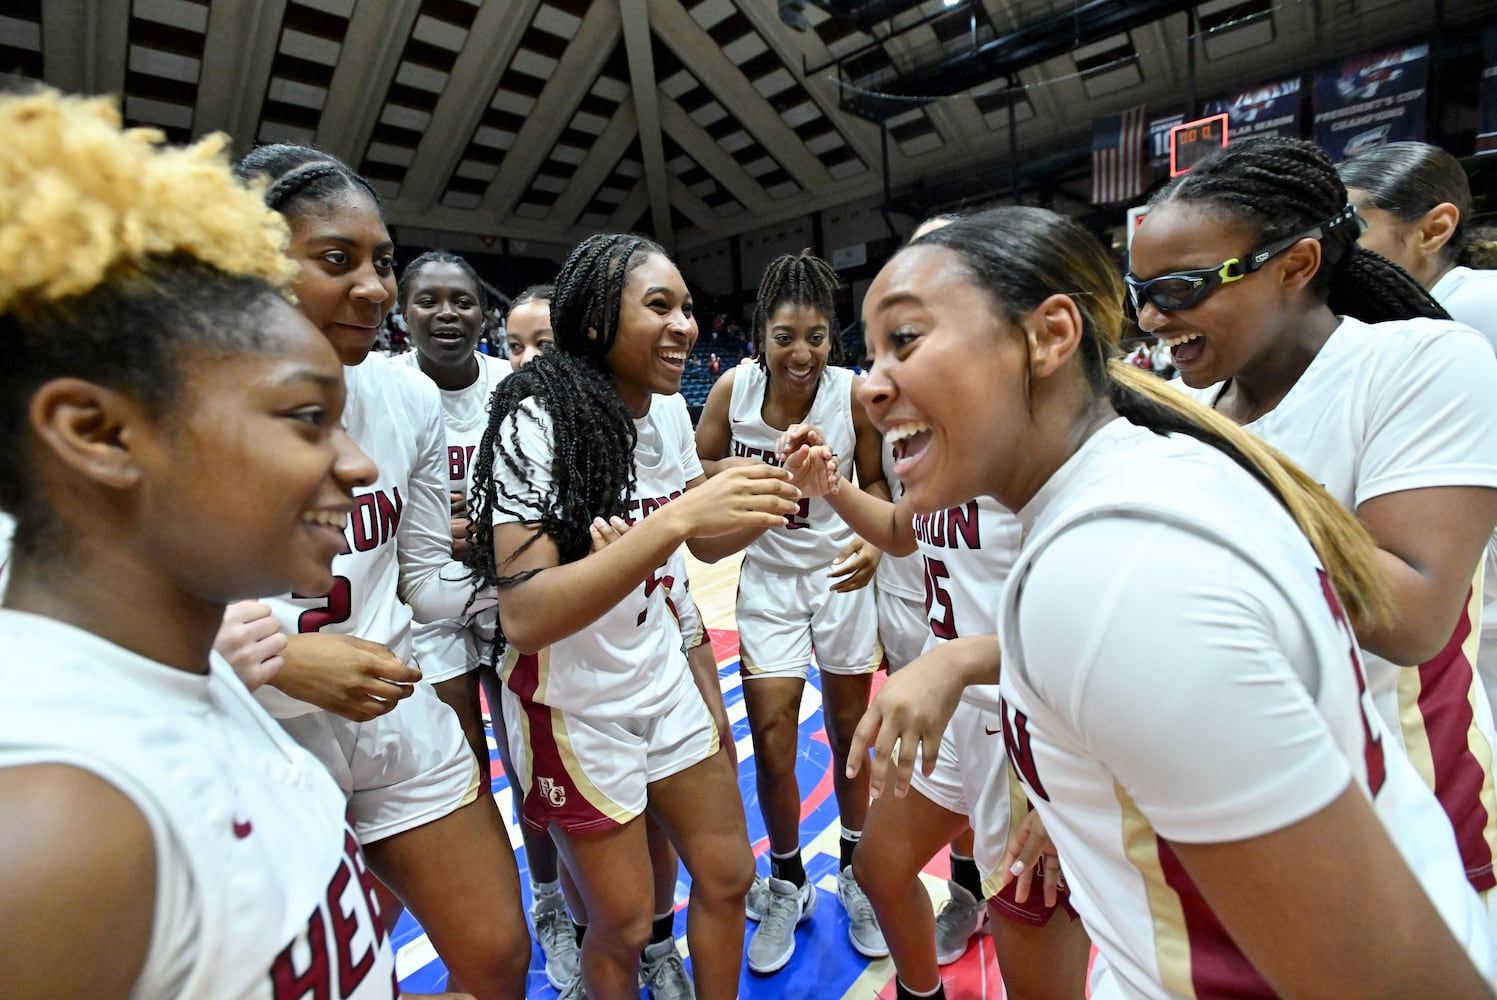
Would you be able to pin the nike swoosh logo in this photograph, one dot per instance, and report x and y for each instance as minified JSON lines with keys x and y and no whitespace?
{"x":992,"y":732}
{"x":242,"y":828}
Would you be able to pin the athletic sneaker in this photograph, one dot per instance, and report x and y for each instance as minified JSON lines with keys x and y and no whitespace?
{"x":774,"y":942}
{"x":557,"y":938}
{"x":862,"y":925}
{"x":665,"y":975}
{"x":961,"y":917}
{"x":757,"y":900}
{"x":574,"y":990}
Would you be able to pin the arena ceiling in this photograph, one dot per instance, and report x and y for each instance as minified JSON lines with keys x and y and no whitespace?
{"x":542,"y":120}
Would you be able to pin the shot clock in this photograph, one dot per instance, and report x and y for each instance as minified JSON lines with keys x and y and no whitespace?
{"x":1192,"y":142}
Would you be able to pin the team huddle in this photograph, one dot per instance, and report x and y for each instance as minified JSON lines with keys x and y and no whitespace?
{"x":1189,"y":676}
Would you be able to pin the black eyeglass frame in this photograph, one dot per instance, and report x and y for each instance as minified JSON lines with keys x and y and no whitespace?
{"x":1204,"y":281}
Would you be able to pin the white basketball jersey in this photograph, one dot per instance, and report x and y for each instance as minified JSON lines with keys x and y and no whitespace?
{"x":1243,"y":714}
{"x":1470,"y":297}
{"x":261,"y":890}
{"x":629,"y":662}
{"x":465,"y":413}
{"x":398,"y":560}
{"x":440,"y":647}
{"x":7,"y":528}
{"x":966,"y":553}
{"x":1404,"y":406}
{"x":816,"y":533}
{"x":898,"y":575}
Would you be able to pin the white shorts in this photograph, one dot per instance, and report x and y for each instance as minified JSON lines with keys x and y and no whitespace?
{"x":402,"y":770}
{"x":971,"y":780}
{"x":447,"y":649}
{"x":783,"y":617}
{"x":586,"y":774}
{"x":903,"y":627}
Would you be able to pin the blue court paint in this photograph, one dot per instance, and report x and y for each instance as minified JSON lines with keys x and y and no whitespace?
{"x":824,"y":967}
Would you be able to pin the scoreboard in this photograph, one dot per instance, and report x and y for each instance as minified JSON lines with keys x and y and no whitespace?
{"x":1192,"y":142}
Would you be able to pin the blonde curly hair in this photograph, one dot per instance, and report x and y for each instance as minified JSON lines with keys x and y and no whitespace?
{"x":84,"y":202}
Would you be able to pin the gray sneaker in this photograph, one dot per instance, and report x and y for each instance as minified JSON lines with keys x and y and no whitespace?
{"x":665,"y":975}
{"x":960,"y":917}
{"x":774,"y":942}
{"x":862,"y":925}
{"x":757,"y":900}
{"x":557,"y":938}
{"x":574,"y":990}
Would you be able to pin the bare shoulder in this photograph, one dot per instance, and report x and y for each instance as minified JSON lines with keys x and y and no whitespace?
{"x":77,"y":885}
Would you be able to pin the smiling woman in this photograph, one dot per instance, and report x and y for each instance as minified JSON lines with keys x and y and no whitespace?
{"x":1344,"y":362}
{"x":170,"y":440}
{"x":351,"y":689}
{"x":587,"y":485}
{"x":1266,"y":757}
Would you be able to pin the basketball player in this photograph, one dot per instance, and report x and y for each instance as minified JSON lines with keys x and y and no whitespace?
{"x":171,"y":442}
{"x":349,"y":690}
{"x":528,"y":335}
{"x":1397,"y":419}
{"x":1417,"y":203}
{"x":787,"y":605}
{"x":604,"y":721}
{"x":1232,"y":813}
{"x":527,"y":329}
{"x":1416,"y":200}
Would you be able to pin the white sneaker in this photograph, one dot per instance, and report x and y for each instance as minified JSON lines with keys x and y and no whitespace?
{"x":757,"y":901}
{"x":665,"y":975}
{"x":960,"y":918}
{"x":774,"y":942}
{"x":557,"y":937}
{"x":862,"y":925}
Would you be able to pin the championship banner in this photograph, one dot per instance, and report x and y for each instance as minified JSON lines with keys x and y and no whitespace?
{"x":1366,"y":102}
{"x":1486,"y":135}
{"x":1272,"y":109}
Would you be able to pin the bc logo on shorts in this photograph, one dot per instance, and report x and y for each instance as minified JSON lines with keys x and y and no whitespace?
{"x":554,"y":793}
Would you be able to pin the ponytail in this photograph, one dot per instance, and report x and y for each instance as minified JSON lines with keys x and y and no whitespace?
{"x":1343,"y":545}
{"x":1479,"y":253}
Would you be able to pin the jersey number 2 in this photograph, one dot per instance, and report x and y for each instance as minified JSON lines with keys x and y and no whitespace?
{"x":339,"y":607}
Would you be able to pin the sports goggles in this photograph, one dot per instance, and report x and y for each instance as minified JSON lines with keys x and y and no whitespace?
{"x":1183,"y":289}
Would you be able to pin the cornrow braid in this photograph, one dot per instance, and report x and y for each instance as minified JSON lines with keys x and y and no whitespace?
{"x":1279,"y":187}
{"x":300,"y":172}
{"x":535,"y":293}
{"x":590,"y":292}
{"x":430,"y":257}
{"x":801,"y":279}
{"x":593,"y":431}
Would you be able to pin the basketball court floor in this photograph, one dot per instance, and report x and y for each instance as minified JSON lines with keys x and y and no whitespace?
{"x":825,"y":966}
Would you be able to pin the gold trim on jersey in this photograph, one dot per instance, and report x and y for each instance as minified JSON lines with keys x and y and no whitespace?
{"x":1171,"y":943}
{"x":1018,"y":810}
{"x":1413,"y":730}
{"x":577,"y":773}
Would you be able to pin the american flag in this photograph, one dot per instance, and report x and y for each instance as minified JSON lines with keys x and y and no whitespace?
{"x":1117,"y":157}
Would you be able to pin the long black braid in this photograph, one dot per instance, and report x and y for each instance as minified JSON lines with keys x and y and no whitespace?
{"x":593,"y":433}
{"x":1281,"y":187}
{"x":801,"y":279}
